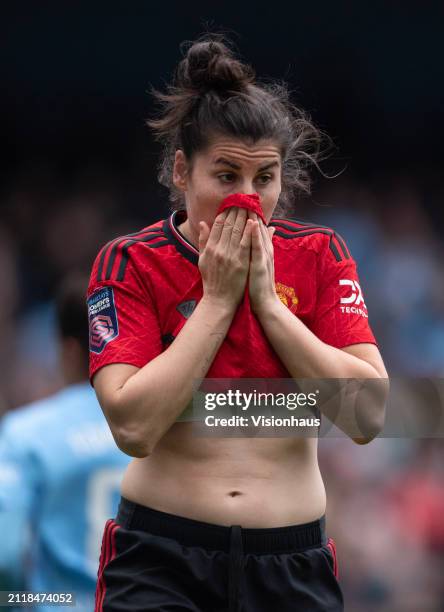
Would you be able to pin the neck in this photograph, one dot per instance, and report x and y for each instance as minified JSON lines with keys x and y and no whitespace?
{"x":186,"y":230}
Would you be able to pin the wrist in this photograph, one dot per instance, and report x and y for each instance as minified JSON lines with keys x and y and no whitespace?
{"x":217,"y":306}
{"x":267,"y":307}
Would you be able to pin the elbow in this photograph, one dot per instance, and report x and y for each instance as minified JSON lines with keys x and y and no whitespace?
{"x":131,"y":442}
{"x":130,"y":424}
{"x":373,"y":427}
{"x":372,"y":410}
{"x":362,"y":441}
{"x":130,"y":435}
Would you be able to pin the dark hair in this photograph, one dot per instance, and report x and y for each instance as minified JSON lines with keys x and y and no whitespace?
{"x":213,"y":93}
{"x":71,"y":312}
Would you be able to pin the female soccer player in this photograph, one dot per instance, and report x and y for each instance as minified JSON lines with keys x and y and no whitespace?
{"x":221,"y":524}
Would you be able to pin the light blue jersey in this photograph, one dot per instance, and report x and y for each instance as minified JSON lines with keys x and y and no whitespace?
{"x":60,"y":474}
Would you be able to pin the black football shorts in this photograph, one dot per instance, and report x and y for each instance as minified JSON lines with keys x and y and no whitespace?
{"x":153,"y":560}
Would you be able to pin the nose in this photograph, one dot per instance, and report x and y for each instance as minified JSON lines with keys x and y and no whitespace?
{"x":246,"y":187}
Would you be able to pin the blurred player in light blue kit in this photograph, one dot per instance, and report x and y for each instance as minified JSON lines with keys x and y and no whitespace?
{"x":60,"y":472}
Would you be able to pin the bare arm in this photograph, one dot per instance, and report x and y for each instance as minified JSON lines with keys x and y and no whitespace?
{"x":142,"y":404}
{"x":306,"y":356}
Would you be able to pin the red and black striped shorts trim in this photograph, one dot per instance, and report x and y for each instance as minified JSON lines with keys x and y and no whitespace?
{"x":332,"y":546}
{"x":107,"y":554}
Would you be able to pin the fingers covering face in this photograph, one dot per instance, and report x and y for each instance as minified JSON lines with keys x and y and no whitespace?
{"x":227,"y":229}
{"x":238,"y":228}
{"x":216,"y":230}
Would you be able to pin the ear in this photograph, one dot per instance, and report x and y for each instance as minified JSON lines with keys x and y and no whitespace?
{"x":180,"y":171}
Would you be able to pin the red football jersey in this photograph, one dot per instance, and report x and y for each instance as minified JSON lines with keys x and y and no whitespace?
{"x":145,"y":285}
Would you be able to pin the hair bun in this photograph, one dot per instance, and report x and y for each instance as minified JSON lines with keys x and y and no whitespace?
{"x":211,"y":65}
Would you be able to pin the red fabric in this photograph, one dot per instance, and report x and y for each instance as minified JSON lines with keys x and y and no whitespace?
{"x":138,"y":340}
{"x":157,"y":280}
{"x":336,"y":323}
{"x":241,"y":200}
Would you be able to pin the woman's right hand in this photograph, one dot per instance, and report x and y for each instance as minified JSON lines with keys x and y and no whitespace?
{"x":224,"y":258}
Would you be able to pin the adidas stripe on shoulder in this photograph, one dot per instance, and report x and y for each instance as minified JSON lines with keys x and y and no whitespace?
{"x":113,"y":258}
{"x":295,"y":228}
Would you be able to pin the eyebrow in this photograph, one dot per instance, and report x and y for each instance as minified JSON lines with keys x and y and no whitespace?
{"x":226,"y":162}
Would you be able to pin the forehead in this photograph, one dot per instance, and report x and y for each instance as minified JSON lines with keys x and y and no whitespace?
{"x":241,"y":151}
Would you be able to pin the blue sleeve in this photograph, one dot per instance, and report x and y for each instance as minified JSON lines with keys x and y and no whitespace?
{"x":17,"y":499}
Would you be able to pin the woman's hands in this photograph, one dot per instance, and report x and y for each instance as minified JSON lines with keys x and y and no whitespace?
{"x":225,"y":257}
{"x":261,"y":279}
{"x":239,"y":246}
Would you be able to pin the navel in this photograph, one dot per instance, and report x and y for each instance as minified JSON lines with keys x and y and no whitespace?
{"x":234,"y":493}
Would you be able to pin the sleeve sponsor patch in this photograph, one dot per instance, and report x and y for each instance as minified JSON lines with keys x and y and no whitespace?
{"x":102,"y":316}
{"x":355,"y":300}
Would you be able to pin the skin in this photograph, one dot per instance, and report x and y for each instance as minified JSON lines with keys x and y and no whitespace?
{"x":268,"y":482}
{"x":224,"y":168}
{"x":250,"y":168}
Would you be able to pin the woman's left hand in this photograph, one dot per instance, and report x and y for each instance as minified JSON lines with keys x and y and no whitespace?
{"x":261,"y":275}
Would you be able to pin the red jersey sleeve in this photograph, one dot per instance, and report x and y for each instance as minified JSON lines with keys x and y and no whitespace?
{"x":123,"y":323}
{"x":341,"y":316}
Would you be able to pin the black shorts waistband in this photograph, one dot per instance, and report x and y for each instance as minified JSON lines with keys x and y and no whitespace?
{"x":188,"y":532}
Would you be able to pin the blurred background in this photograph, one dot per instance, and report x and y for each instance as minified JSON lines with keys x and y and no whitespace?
{"x":79,"y":168}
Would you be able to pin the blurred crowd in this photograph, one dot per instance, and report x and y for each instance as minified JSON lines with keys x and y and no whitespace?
{"x":385,"y":500}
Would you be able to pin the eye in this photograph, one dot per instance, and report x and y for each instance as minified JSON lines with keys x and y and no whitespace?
{"x":264,"y":178}
{"x":226,"y":177}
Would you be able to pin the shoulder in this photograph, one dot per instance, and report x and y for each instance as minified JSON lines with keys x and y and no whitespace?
{"x":322,"y":239}
{"x":112,"y":260}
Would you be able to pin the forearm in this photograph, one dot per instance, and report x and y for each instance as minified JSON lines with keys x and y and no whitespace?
{"x":358,"y":410}
{"x":303,"y":354}
{"x":159,"y":392}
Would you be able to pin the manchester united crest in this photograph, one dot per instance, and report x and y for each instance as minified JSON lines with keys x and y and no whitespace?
{"x":287,"y":296}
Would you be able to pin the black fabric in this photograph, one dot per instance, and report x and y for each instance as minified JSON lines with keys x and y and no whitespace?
{"x":169,"y":563}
